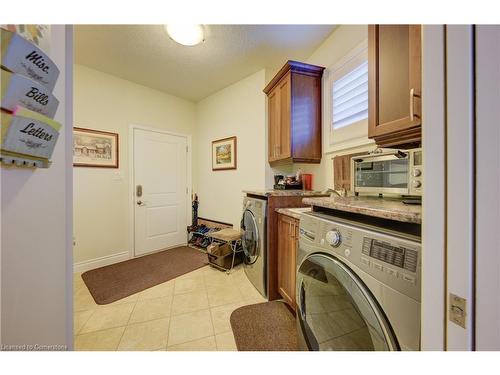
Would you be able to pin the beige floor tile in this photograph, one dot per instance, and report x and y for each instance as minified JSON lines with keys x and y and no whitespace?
{"x":130,"y":299}
{"x":101,"y":340}
{"x":196,"y":273}
{"x":108,"y":317}
{"x":254,"y":300}
{"x":189,"y":285}
{"x":238,"y":276}
{"x":225,"y":342}
{"x":79,"y":320}
{"x":216,"y":279}
{"x":188,"y":302}
{"x":150,"y":335}
{"x":150,"y":309}
{"x":160,"y":290}
{"x":190,"y":327}
{"x":221,"y":316}
{"x":205,"y":344}
{"x":78,"y":282}
{"x":82,"y":300}
{"x":248,"y":292}
{"x":223,"y":295}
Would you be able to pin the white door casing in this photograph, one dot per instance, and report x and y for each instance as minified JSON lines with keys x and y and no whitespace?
{"x":160,"y":167}
{"x":460,"y":180}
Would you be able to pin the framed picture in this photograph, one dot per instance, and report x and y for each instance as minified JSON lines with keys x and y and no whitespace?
{"x":94,"y":148}
{"x":224,"y":154}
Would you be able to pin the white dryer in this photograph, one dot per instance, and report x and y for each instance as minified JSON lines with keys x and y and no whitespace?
{"x":358,"y":285}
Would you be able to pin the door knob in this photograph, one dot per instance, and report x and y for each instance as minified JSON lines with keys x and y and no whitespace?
{"x":141,"y":203}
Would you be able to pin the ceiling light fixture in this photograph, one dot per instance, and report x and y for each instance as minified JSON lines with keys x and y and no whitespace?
{"x":187,"y":35}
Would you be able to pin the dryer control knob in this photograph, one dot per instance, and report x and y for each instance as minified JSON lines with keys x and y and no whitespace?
{"x":334,"y":238}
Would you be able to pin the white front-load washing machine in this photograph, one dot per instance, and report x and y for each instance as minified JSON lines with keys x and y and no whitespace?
{"x":358,"y":285}
{"x":253,"y":225}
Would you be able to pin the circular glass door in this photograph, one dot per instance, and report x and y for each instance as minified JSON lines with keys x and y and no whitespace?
{"x":336,"y":310}
{"x":250,"y":239}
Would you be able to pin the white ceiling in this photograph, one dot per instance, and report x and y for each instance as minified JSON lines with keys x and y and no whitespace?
{"x":146,"y":55}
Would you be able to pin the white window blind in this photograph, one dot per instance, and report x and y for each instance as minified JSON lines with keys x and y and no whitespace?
{"x":350,"y":97}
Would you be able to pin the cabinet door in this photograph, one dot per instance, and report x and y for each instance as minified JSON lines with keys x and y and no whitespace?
{"x":274,"y":123}
{"x":285,"y":94}
{"x":287,"y":250}
{"x":293,"y":257}
{"x":394,"y":53}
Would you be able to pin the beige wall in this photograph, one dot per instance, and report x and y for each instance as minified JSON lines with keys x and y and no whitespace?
{"x":101,"y":205}
{"x":342,"y":40}
{"x":36,"y":204}
{"x":237,"y":110}
{"x":108,"y":103}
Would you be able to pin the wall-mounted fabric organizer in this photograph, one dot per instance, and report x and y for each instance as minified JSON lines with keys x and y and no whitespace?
{"x":18,"y":90}
{"x":27,"y":138}
{"x":28,"y":133}
{"x":22,"y":57}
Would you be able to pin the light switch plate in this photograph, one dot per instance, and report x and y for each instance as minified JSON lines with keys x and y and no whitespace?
{"x":457,"y":310}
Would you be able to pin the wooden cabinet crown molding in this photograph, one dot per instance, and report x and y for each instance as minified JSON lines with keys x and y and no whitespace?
{"x":295,"y":67}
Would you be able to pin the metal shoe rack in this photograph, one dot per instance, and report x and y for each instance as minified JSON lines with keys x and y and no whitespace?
{"x":230,"y":237}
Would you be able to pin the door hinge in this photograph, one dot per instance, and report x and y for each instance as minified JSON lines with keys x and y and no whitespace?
{"x":187,"y":149}
{"x":187,"y":190}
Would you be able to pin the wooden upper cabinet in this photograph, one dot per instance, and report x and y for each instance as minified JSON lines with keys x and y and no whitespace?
{"x":294,"y":114}
{"x":394,"y":84}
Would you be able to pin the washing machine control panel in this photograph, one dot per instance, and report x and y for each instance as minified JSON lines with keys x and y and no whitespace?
{"x":334,"y":238}
{"x":393,"y":260}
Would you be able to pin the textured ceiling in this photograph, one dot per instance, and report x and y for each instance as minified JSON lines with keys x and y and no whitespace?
{"x":146,"y":55}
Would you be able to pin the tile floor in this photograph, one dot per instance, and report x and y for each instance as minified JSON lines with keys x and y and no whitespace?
{"x":188,"y":313}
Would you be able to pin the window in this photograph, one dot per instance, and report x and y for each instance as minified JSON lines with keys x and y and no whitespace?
{"x":346,"y":101}
{"x":350,"y":97}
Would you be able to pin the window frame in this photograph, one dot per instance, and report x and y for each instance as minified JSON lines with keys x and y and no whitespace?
{"x":355,"y":134}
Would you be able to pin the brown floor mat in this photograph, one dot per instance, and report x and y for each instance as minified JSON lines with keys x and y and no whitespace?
{"x":268,"y":326}
{"x":111,"y":283}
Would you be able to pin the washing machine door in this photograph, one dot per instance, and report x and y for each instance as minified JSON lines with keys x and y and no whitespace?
{"x":336,"y":310}
{"x":250,"y":239}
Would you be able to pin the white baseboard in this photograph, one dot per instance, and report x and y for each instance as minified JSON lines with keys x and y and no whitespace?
{"x":88,"y":265}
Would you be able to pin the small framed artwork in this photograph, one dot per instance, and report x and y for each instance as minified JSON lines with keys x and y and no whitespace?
{"x":224,"y":154}
{"x":94,"y":148}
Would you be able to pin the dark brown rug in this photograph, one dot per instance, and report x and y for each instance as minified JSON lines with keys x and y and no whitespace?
{"x":111,"y":283}
{"x":268,"y":326}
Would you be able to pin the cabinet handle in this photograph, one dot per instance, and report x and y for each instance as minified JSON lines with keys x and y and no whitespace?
{"x":412,"y":94}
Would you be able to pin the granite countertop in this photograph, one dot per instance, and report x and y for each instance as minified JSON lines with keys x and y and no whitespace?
{"x":286,"y":193}
{"x":293,"y":212}
{"x":386,"y":208}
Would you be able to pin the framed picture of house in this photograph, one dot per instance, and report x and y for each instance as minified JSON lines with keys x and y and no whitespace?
{"x":94,"y":148}
{"x":224,"y":154}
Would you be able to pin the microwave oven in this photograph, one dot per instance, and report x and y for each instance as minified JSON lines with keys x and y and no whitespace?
{"x":388,"y":172}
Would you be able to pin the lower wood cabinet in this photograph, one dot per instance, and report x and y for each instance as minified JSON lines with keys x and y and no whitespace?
{"x":288,"y":241}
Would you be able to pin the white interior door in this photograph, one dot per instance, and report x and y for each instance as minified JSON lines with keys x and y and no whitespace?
{"x":160,"y":171}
